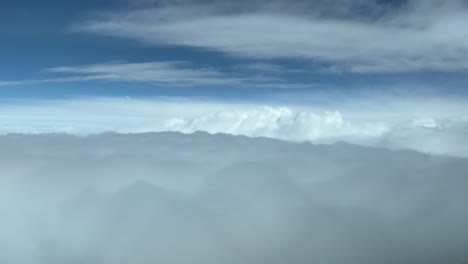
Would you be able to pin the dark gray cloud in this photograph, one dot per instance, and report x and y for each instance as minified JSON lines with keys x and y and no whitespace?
{"x":200,"y":198}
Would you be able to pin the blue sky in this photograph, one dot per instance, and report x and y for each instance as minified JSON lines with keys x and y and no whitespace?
{"x":229,"y":50}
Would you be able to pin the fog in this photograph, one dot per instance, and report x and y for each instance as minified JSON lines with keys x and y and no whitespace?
{"x":201,"y":198}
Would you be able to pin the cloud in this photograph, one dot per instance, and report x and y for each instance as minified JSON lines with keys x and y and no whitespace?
{"x":281,"y":123}
{"x":166,"y":73}
{"x":261,"y":67}
{"x":8,"y":83}
{"x":174,"y":198}
{"x":432,"y":125}
{"x":42,"y":81}
{"x":429,"y":135}
{"x":169,"y":73}
{"x":340,"y":36}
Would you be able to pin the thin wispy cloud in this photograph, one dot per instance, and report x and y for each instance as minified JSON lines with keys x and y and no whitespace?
{"x":346,"y":36}
{"x":177,"y":73}
{"x":261,"y":67}
{"x":51,"y":80}
{"x":166,"y":73}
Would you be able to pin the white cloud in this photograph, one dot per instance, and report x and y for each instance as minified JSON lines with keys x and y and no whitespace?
{"x":425,"y":122}
{"x":166,"y":73}
{"x":176,"y":199}
{"x":281,"y":123}
{"x":43,"y":81}
{"x":262,"y":67}
{"x":422,"y":36}
{"x":443,"y":135}
{"x":429,"y":126}
{"x":8,"y":83}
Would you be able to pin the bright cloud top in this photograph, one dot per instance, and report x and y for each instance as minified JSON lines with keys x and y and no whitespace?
{"x":341,"y":36}
{"x":282,"y":123}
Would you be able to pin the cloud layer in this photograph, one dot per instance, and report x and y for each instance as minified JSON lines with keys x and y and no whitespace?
{"x":174,"y":198}
{"x":337,"y":36}
{"x":432,"y":125}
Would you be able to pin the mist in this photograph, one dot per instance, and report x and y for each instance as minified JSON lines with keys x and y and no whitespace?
{"x":201,"y":198}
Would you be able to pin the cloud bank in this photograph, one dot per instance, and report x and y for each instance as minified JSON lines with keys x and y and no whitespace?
{"x":435,"y":126}
{"x":336,"y":36}
{"x":174,"y":198}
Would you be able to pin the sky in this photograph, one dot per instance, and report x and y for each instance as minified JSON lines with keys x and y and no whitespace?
{"x":84,"y":66}
{"x":220,"y":131}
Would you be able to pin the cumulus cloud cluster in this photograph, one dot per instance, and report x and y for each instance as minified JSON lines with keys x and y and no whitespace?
{"x":200,"y":198}
{"x":431,"y":135}
{"x":281,"y":123}
{"x":364,"y":36}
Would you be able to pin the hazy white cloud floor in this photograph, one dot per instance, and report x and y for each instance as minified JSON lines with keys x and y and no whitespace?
{"x":200,"y":198}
